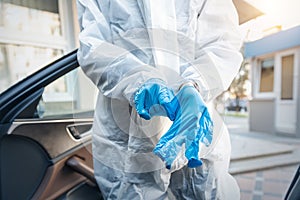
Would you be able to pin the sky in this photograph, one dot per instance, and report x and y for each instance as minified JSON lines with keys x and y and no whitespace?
{"x":283,"y":13}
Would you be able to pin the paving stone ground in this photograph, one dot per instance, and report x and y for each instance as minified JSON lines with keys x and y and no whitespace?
{"x":271,"y":184}
{"x":268,"y":184}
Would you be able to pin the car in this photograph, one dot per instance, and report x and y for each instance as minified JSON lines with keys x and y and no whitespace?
{"x":44,"y":157}
{"x":232,"y":105}
{"x":48,"y":156}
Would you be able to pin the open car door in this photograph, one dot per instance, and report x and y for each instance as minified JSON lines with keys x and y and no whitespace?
{"x":45,"y":144}
{"x":293,"y":192}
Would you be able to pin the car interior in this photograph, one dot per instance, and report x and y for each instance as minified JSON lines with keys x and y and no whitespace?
{"x":44,"y":157}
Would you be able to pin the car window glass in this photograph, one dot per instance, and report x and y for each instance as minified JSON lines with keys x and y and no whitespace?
{"x":17,"y":62}
{"x":70,"y":96}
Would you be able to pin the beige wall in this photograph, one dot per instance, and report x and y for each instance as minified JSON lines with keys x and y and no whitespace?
{"x":262,"y":115}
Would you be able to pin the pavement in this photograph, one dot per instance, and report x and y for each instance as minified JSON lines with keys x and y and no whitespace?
{"x":263,"y":164}
{"x":270,"y":184}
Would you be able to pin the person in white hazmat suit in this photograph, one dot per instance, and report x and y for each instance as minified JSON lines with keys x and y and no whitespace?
{"x":158,"y":65}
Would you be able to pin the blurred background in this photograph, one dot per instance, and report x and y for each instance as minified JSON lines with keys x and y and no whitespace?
{"x":261,"y":107}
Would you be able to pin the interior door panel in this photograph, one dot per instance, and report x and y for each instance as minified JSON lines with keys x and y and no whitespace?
{"x":60,"y":178}
{"x":39,"y":153}
{"x":52,"y":134}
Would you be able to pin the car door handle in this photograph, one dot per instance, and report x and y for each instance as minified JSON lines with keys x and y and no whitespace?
{"x":80,"y":167}
{"x":79,"y":131}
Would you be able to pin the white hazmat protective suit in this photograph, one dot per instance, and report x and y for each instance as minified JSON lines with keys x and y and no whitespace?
{"x":124,"y":43}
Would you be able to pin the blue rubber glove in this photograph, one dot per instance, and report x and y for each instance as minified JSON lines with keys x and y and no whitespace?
{"x":191,"y":125}
{"x":154,"y":99}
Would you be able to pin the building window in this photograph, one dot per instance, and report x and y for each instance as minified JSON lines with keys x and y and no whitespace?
{"x":266,"y":75}
{"x":287,"y":69}
{"x":50,"y":6}
{"x":34,"y":33}
{"x":28,"y":31}
{"x":18,"y":61}
{"x":31,"y":17}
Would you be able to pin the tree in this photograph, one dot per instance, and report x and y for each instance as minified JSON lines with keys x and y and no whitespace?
{"x":239,"y":87}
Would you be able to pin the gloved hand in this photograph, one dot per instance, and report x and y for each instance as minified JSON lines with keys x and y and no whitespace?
{"x":154,"y":99}
{"x":191,"y":125}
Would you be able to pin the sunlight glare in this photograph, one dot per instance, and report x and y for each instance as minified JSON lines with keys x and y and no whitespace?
{"x":282,"y":12}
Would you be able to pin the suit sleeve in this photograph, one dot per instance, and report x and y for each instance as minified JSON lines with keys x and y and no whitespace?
{"x":114,"y":70}
{"x":217,"y":44}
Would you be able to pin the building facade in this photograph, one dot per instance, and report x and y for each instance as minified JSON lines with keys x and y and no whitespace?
{"x":275,"y":63}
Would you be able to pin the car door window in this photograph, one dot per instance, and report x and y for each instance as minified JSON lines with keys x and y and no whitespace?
{"x":71,"y":96}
